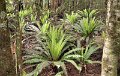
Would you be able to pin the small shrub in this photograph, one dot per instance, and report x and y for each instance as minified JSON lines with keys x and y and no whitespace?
{"x":72,"y":18}
{"x":54,"y":45}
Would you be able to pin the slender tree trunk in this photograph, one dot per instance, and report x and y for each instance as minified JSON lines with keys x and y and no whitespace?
{"x":7,"y":66}
{"x":54,"y":5}
{"x":112,"y":41}
{"x":45,"y":4}
{"x":39,"y":7}
{"x":18,"y":40}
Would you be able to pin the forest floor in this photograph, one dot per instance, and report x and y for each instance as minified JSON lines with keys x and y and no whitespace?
{"x":91,"y":69}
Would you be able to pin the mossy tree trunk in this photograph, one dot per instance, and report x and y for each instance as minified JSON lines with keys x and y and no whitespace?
{"x":7,"y":67}
{"x":18,"y":39}
{"x":112,"y":41}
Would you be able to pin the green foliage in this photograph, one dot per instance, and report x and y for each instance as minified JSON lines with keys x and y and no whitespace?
{"x":54,"y":47}
{"x":87,"y":24}
{"x":56,"y":42}
{"x":22,"y":15}
{"x":72,"y":18}
{"x":88,"y":13}
{"x":45,"y":16}
{"x":86,"y":52}
{"x":32,"y":18}
{"x":86,"y":27}
{"x":45,"y":27}
{"x":24,"y":73}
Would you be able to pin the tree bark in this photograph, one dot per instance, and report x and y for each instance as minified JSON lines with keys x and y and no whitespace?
{"x":18,"y":40}
{"x":112,"y":41}
{"x":39,"y":7}
{"x":54,"y":5}
{"x":7,"y":66}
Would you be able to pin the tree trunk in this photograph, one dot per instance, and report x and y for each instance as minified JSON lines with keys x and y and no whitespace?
{"x":18,"y":40}
{"x":39,"y":7}
{"x":112,"y":41}
{"x":45,"y":4}
{"x":7,"y":66}
{"x":54,"y":5}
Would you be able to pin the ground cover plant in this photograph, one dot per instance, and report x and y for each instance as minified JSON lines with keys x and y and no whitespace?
{"x":54,"y":52}
{"x":55,"y":48}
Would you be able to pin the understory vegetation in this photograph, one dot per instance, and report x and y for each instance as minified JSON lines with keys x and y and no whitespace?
{"x":56,"y":47}
{"x":60,"y":37}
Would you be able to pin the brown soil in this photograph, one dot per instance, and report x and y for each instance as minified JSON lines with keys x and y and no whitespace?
{"x":51,"y":71}
{"x":91,"y":70}
{"x":48,"y":71}
{"x":72,"y":71}
{"x":97,"y":56}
